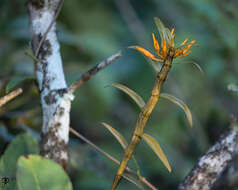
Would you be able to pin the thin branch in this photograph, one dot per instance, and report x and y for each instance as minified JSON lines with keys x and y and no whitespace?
{"x":10,"y":96}
{"x":212,"y":164}
{"x":86,"y":76}
{"x":49,"y":27}
{"x":94,"y":146}
{"x":142,"y":179}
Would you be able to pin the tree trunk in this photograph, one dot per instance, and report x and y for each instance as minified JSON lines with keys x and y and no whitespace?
{"x":55,"y":99}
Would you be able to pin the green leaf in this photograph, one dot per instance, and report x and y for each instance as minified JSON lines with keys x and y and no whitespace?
{"x":133,"y":180}
{"x":29,"y":53}
{"x":37,"y":173}
{"x":122,"y":142}
{"x":139,"y":101}
{"x":157,"y":149}
{"x":16,"y":81}
{"x":194,"y":63}
{"x":161,"y":28}
{"x":116,"y":134}
{"x":23,"y":144}
{"x":181,"y":104}
{"x":169,"y":36}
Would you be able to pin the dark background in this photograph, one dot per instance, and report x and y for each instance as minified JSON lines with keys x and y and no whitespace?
{"x":89,"y":31}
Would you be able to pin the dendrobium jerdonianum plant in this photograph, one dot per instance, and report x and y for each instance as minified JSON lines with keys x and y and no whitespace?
{"x":166,"y":53}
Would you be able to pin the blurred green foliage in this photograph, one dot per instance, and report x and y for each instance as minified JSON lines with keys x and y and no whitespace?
{"x":90,"y":31}
{"x":22,"y":145}
{"x":35,"y":172}
{"x":22,"y":168}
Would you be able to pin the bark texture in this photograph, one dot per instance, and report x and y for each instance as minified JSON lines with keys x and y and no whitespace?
{"x":212,"y":164}
{"x":55,"y":99}
{"x":228,"y":180}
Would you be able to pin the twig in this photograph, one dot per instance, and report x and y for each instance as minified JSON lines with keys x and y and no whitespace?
{"x":212,"y":164}
{"x":86,"y":76}
{"x":94,"y":146}
{"x":49,"y":27}
{"x":142,"y":179}
{"x":10,"y":96}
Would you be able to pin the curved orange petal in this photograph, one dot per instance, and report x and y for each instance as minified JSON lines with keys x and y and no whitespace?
{"x":156,"y":59}
{"x":178,"y":53}
{"x":184,"y":42}
{"x":188,"y":46}
{"x":145,"y":52}
{"x":156,"y":45}
{"x":186,"y":54}
{"x":172,"y":32}
{"x":164,"y":49}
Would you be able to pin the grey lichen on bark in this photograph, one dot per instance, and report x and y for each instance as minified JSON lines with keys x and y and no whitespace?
{"x":55,"y":99}
{"x":212,"y":164}
{"x":228,"y":179}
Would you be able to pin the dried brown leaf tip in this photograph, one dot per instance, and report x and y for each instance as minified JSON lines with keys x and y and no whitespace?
{"x":167,"y":47}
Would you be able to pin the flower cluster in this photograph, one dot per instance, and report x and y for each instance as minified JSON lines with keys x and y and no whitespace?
{"x":167,"y":45}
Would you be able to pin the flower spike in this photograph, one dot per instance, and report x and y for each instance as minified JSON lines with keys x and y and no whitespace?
{"x":167,"y":45}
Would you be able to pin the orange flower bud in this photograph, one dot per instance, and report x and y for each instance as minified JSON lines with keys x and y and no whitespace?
{"x":156,"y":44}
{"x":172,"y":32}
{"x":145,"y":52}
{"x":178,"y":53}
{"x":164,"y":49}
{"x":188,"y":46}
{"x":156,"y":59}
{"x":184,"y":42}
{"x":186,"y":54}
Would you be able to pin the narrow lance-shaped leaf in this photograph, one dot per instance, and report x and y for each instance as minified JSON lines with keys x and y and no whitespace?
{"x":161,"y":28}
{"x":169,"y":36}
{"x":116,"y":134}
{"x":181,"y":104}
{"x":194,"y":63}
{"x":29,"y":53}
{"x":122,"y":142}
{"x":16,"y":81}
{"x":133,"y":180}
{"x":157,"y":149}
{"x":137,"y":98}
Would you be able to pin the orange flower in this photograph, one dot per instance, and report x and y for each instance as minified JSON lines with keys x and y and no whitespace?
{"x":167,"y":45}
